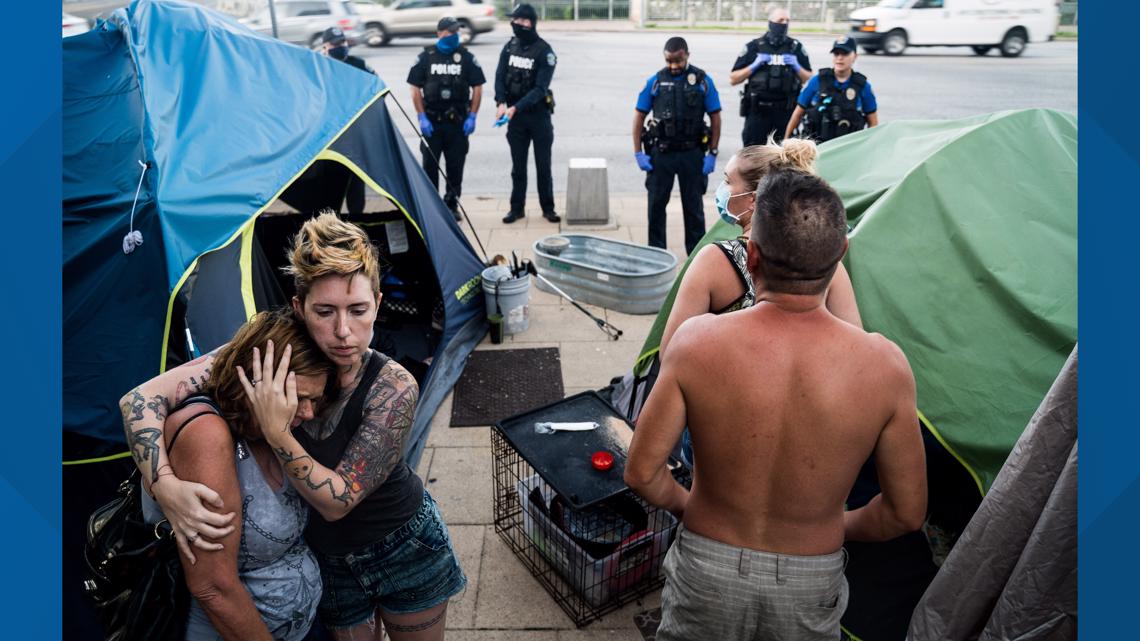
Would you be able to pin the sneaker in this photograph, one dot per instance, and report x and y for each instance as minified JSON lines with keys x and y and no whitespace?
{"x":552,"y":216}
{"x":513,"y":216}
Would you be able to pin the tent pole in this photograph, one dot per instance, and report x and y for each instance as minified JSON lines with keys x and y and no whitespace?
{"x":446,"y":180}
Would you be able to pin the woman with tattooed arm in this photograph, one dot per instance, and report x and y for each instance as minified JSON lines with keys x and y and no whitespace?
{"x":265,"y":583}
{"x":383,"y":548}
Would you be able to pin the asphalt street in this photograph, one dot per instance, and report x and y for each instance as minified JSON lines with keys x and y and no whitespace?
{"x":599,"y":75}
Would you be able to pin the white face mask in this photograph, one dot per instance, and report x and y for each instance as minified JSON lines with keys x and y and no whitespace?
{"x":722,"y":196}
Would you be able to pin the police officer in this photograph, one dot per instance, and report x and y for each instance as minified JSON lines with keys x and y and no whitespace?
{"x":336,"y":46}
{"x":447,"y":87}
{"x":522,"y":94}
{"x":773,"y":68}
{"x":679,"y":95}
{"x":839,"y":100}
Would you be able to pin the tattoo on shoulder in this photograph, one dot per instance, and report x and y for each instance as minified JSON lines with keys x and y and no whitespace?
{"x":377,"y":448}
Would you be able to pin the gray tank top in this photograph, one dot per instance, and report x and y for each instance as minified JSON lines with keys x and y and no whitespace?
{"x":274,"y":562}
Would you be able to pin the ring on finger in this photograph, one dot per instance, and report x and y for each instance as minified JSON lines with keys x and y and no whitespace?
{"x":254,"y":382}
{"x":192,"y":538}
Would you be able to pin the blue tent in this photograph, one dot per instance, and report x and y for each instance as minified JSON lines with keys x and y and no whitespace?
{"x":214,"y":143}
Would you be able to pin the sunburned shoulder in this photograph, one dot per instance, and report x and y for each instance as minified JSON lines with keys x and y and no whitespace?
{"x":889,"y":354}
{"x":693,"y":338}
{"x":207,"y":429}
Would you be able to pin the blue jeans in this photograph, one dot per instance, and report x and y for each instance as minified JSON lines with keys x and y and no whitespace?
{"x":411,"y":570}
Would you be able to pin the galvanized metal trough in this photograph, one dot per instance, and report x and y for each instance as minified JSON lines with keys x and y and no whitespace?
{"x":628,"y":278}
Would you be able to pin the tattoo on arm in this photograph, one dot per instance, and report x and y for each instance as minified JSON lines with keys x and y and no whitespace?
{"x":378,"y":446}
{"x":301,"y":468}
{"x":132,"y":408}
{"x":144,"y":447}
{"x":160,"y":406}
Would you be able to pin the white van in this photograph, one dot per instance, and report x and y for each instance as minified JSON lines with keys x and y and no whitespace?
{"x":893,"y":25}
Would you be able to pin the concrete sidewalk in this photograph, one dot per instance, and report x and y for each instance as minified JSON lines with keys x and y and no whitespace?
{"x":503,"y":602}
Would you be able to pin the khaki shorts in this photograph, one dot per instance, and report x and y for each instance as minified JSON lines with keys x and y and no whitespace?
{"x":718,"y":591}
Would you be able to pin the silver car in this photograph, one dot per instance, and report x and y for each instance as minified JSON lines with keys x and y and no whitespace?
{"x":404,"y":18}
{"x":304,"y":21}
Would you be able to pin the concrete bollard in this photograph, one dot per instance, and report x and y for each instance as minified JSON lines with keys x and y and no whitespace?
{"x":587,"y":192}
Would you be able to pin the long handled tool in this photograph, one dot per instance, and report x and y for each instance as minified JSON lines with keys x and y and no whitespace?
{"x":610,"y":330}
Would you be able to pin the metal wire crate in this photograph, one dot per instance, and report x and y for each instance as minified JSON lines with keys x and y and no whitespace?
{"x":591,"y":561}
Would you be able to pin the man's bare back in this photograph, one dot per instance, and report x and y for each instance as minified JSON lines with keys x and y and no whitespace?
{"x":784,"y":408}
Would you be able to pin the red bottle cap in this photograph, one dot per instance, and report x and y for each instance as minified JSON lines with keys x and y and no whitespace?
{"x":602,"y":460}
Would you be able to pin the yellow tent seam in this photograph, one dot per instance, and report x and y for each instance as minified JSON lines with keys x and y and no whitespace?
{"x":953,"y":452}
{"x":101,"y":459}
{"x":334,"y":156}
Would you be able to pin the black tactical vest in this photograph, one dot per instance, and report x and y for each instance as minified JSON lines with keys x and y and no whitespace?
{"x":447,"y":88}
{"x":773,"y":85}
{"x":837,"y":112}
{"x":679,"y":109}
{"x":522,"y":67}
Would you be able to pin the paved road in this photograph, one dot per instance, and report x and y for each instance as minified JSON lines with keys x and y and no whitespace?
{"x":599,"y":75}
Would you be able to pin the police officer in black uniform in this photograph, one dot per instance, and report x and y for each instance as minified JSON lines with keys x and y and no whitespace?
{"x":838,"y":100}
{"x":447,"y":87}
{"x":773,"y":68}
{"x":336,"y":47}
{"x":522,"y":94}
{"x":678,"y":142}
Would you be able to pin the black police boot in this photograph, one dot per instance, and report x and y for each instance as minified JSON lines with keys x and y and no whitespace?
{"x":513,"y":216}
{"x":552,"y":216}
{"x":455,"y":212}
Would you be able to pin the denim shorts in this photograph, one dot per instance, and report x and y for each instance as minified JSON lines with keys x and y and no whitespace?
{"x":410,"y":570}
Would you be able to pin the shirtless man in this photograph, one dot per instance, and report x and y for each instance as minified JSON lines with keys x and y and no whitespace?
{"x":785,"y":403}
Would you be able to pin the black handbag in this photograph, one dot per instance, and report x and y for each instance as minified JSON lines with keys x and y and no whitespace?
{"x":134,"y":576}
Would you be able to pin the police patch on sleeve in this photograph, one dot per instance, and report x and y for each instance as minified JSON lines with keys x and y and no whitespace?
{"x":743,"y":51}
{"x":550,"y":59}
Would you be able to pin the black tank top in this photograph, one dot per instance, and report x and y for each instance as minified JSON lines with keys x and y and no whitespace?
{"x":381,"y":512}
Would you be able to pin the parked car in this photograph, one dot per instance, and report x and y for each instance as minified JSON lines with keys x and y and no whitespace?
{"x":405,"y":18}
{"x":304,"y":21}
{"x":893,"y":25}
{"x":74,"y":25}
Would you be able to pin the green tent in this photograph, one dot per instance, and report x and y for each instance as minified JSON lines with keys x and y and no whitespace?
{"x":964,"y":252}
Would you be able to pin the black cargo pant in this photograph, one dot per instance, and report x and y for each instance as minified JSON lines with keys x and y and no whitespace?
{"x":448,"y":144}
{"x":686,"y":166}
{"x":763,"y":121}
{"x":532,"y":125}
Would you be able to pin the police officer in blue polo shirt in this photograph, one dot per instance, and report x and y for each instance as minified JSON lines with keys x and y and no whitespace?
{"x":838,"y":100}
{"x":677,"y":142}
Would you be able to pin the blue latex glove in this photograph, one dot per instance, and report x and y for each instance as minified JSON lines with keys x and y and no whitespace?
{"x":761,"y":59}
{"x":502,"y":121}
{"x":710,"y":164}
{"x":643,"y":161}
{"x":469,"y":124}
{"x":793,"y":62}
{"x":425,"y":125}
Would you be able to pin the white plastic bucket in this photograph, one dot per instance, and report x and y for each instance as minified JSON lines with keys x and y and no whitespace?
{"x":513,"y":296}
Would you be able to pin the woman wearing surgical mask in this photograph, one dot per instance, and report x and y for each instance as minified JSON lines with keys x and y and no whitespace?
{"x":717,"y":279}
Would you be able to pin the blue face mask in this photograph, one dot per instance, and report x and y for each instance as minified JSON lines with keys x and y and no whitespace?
{"x":722,"y":196}
{"x":447,"y":44}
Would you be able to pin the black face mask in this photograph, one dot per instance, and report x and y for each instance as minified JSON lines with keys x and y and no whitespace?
{"x":777,"y":31}
{"x":526,"y":35}
{"x":340,"y":53}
